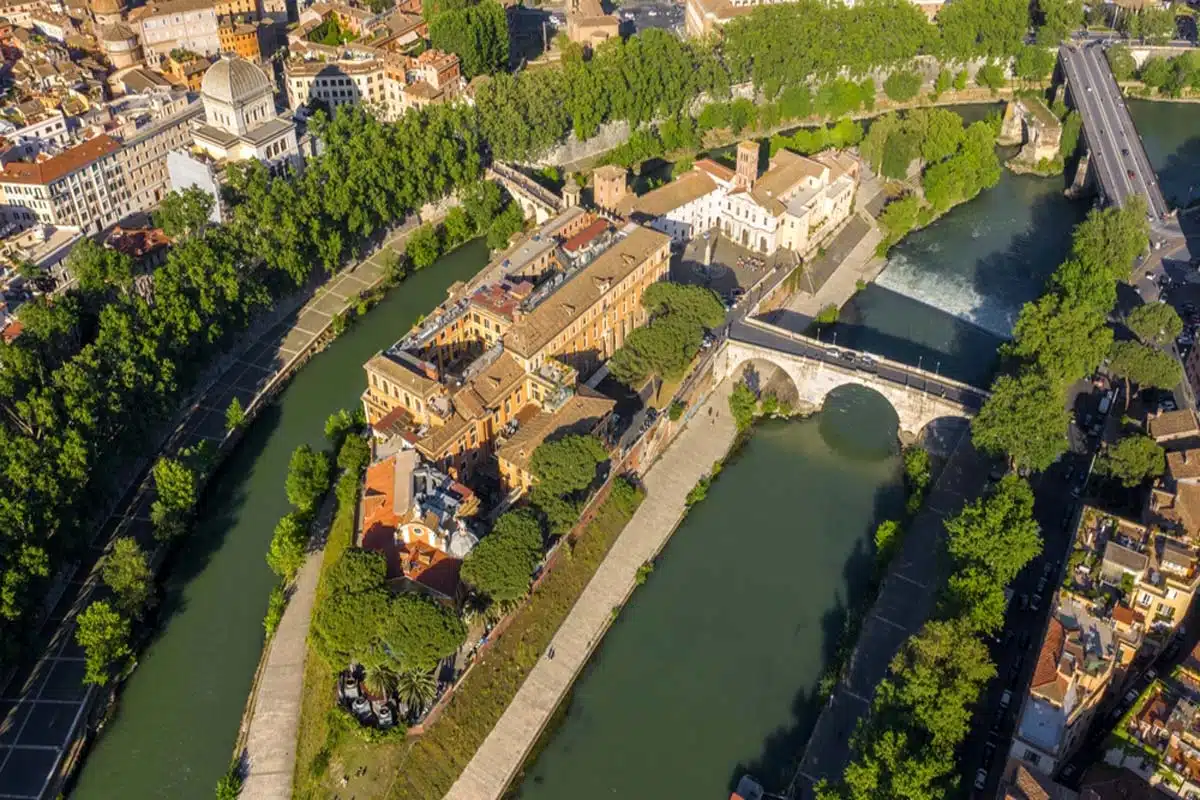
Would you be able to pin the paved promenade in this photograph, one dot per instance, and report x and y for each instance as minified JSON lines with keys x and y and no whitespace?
{"x":689,"y":457}
{"x":905,"y":601}
{"x":275,"y":721}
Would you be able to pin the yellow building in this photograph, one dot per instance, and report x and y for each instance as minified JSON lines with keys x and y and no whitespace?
{"x":490,"y":360}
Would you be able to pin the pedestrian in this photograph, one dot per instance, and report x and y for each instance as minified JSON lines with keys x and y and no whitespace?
{"x":550,"y":654}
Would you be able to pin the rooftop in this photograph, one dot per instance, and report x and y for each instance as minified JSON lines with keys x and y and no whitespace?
{"x":687,"y":188}
{"x":580,"y":414}
{"x":1173,"y":424}
{"x":578,"y":293}
{"x":61,"y":165}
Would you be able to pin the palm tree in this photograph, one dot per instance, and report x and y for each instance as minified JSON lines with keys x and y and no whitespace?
{"x":416,"y":688}
{"x":380,"y":681}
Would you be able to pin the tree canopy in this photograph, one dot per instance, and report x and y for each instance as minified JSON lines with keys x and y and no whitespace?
{"x":1132,"y":460}
{"x":1146,"y":366}
{"x":1155,"y":323}
{"x":308,"y":477}
{"x":568,"y":465}
{"x":476,"y":33}
{"x":104,"y":636}
{"x":668,"y":344}
{"x":501,"y":566}
{"x":1025,"y":419}
{"x":127,"y":572}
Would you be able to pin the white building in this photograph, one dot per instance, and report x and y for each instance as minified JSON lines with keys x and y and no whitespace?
{"x":240,"y":118}
{"x":187,"y":24}
{"x":82,"y":187}
{"x":794,"y":205}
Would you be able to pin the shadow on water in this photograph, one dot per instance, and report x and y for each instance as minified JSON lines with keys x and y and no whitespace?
{"x":219,"y":509}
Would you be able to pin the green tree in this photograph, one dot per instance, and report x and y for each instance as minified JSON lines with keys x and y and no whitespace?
{"x":289,"y":546}
{"x":943,"y":83}
{"x":235,"y":416}
{"x":568,"y":465}
{"x":96,"y":267}
{"x":1054,"y":19}
{"x":507,"y":224}
{"x":416,"y":688}
{"x":1155,"y":323}
{"x":126,"y":571}
{"x":501,"y":565}
{"x":742,"y":405}
{"x":1024,"y":420}
{"x":1132,"y":460}
{"x":1033,"y":63}
{"x":307,"y":478}
{"x":887,"y":540}
{"x":184,"y":214}
{"x":457,"y":227}
{"x":423,"y":246}
{"x":1062,"y":340}
{"x":477,"y":34}
{"x":960,"y":80}
{"x":419,"y":632}
{"x":355,"y":597}
{"x":991,"y":75}
{"x":354,"y":454}
{"x":902,"y":85}
{"x":229,"y":787}
{"x":1121,"y":62}
{"x":104,"y":636}
{"x":178,"y":490}
{"x":997,"y":534}
{"x":943,"y":133}
{"x":1146,"y":366}
{"x":1155,"y":25}
{"x":338,"y":425}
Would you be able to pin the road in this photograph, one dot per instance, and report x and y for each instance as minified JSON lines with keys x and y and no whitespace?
{"x":784,"y":341}
{"x":1123,"y":168}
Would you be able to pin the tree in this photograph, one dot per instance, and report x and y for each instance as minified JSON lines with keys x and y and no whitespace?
{"x":355,"y":596}
{"x":178,"y":489}
{"x":997,"y":534}
{"x":1062,"y":340}
{"x":1146,"y":366}
{"x":229,"y":787}
{"x":1054,"y":19}
{"x":1024,"y":419}
{"x":742,"y":405}
{"x":380,"y":680}
{"x":96,"y":267}
{"x":354,"y":454}
{"x":501,"y":565}
{"x":507,"y":224}
{"x":1033,"y":63}
{"x":423,"y":246}
{"x":104,"y":636}
{"x":1155,"y":25}
{"x":235,"y":416}
{"x":477,"y":34}
{"x":184,"y":214}
{"x":338,"y":425}
{"x":307,"y":478}
{"x":568,"y":465}
{"x":943,"y":83}
{"x":457,"y":227}
{"x":960,"y":80}
{"x":419,"y":632}
{"x":943,"y":134}
{"x":991,"y":75}
{"x":1155,"y":323}
{"x":887,"y":539}
{"x":416,"y":688}
{"x":1132,"y":460}
{"x":289,"y":546}
{"x":127,"y":572}
{"x":902,"y":85}
{"x":1121,"y":62}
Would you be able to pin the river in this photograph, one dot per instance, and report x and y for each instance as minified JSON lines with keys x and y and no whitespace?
{"x":710,"y":669}
{"x":178,"y":715}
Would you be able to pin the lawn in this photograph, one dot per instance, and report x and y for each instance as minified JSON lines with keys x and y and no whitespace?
{"x":425,"y":767}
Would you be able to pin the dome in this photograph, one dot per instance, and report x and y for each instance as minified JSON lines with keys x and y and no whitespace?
{"x":119,"y":32}
{"x":235,"y":81}
{"x":108,"y":7}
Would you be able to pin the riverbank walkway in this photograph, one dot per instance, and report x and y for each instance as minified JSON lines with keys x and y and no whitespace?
{"x":706,"y":438}
{"x":905,"y":601}
{"x":45,"y":708}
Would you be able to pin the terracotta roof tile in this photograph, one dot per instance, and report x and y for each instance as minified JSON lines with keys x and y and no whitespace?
{"x":1046,"y":671}
{"x":61,"y":165}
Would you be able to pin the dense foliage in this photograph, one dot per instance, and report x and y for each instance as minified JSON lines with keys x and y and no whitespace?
{"x":476,"y":32}
{"x":1062,"y":337}
{"x":679,"y":315}
{"x":501,"y":566}
{"x":922,"y":711}
{"x":126,"y":571}
{"x":104,"y":636}
{"x":1132,"y":460}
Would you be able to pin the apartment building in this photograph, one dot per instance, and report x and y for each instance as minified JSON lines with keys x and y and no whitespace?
{"x":177,"y":24}
{"x":387,"y":84}
{"x":1174,"y":500}
{"x":1075,"y":667}
{"x":512,"y":346}
{"x":146,"y":142}
{"x":81,"y":187}
{"x":795,"y":204}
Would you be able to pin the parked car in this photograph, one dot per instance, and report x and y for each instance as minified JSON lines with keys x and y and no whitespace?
{"x":1006,"y":698}
{"x":1151,"y":674}
{"x":980,"y":778}
{"x":1130,"y":696}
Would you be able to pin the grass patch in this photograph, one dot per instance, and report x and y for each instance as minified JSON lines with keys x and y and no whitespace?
{"x":427,"y":766}
{"x":320,"y":680}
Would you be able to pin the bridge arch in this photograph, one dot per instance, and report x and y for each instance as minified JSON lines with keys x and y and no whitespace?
{"x":921,"y":415}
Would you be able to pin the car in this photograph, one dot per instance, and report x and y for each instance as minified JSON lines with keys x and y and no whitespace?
{"x":1046,"y":568}
{"x":1014,"y":672}
{"x":1024,"y":607}
{"x":989,"y":750}
{"x":980,"y":778}
{"x":1005,"y":698}
{"x":1151,"y":674}
{"x":1129,"y":172}
{"x":1041,"y":585}
{"x":1130,"y":696}
{"x":1124,"y":151}
{"x":1068,"y":516}
{"x":998,"y":721}
{"x":1035,"y":602}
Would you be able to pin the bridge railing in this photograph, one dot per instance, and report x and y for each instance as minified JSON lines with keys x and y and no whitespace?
{"x":909,"y":369}
{"x":525,"y":184}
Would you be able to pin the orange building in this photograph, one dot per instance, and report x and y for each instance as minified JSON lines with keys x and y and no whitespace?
{"x":414,"y":515}
{"x":487,"y":363}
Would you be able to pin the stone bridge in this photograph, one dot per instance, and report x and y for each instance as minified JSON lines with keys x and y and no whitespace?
{"x":920,"y":398}
{"x":536,"y":201}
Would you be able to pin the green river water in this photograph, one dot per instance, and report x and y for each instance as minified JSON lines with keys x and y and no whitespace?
{"x":710,"y":668}
{"x":178,"y":715}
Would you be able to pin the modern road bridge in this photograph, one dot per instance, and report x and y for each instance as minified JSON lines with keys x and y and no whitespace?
{"x":1121,"y":166}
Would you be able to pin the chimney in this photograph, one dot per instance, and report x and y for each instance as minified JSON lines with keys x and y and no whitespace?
{"x":747,"y":164}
